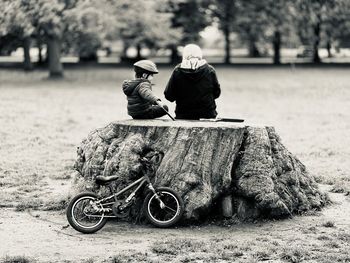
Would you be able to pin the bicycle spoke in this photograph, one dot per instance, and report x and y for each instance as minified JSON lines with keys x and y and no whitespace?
{"x":85,"y":217}
{"x":81,"y":218}
{"x":170,"y":209}
{"x":166,"y":209}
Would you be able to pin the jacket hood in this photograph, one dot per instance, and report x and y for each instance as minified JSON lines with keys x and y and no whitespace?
{"x":196,"y":74}
{"x":130,"y":85}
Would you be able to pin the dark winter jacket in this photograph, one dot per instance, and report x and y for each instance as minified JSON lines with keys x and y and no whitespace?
{"x":194,"y":91}
{"x":140,"y":96}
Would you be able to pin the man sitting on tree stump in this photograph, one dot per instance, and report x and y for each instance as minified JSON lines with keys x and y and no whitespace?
{"x":194,"y":86}
{"x":142,"y":103}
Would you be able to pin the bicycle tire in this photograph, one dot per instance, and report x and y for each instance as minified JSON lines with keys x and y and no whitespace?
{"x":72,"y":216}
{"x":174,"y":207}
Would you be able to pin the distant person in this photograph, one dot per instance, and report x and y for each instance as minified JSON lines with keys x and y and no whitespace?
{"x":194,"y":86}
{"x":142,"y":103}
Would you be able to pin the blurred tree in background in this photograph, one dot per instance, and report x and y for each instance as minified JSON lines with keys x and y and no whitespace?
{"x":251,"y":23}
{"x":16,"y":27}
{"x":141,"y":23}
{"x":261,"y":23}
{"x":50,"y":24}
{"x":25,"y":20}
{"x":190,"y":16}
{"x":53,"y":22}
{"x":224,"y":11}
{"x":337,"y":25}
{"x":82,"y":27}
{"x":87,"y":25}
{"x":280,"y":15}
{"x":321,"y":20}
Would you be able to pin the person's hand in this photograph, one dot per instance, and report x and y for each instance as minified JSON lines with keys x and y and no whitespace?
{"x":160,"y":103}
{"x":164,"y":106}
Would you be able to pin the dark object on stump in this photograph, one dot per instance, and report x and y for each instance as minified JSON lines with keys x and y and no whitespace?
{"x":239,"y":169}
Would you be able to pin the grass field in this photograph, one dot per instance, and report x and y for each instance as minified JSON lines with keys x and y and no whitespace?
{"x":43,"y":121}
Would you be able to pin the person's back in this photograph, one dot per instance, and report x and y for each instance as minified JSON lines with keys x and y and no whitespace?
{"x":194,"y":87}
{"x":141,"y":100}
{"x":137,"y":105}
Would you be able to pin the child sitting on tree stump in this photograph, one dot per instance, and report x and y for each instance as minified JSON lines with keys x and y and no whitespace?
{"x":142,"y":103}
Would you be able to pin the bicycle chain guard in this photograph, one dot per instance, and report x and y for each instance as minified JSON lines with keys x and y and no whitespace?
{"x":120,"y":210}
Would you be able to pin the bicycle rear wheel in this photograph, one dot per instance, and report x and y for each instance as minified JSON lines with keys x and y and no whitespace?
{"x":165,"y":211}
{"x":82,"y":215}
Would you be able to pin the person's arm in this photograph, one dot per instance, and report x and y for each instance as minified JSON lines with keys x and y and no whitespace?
{"x":146,"y":93}
{"x":216,"y":84}
{"x":170,"y":90}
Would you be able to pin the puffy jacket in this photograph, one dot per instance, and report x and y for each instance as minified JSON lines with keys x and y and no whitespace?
{"x":140,"y":96}
{"x":194,"y":91}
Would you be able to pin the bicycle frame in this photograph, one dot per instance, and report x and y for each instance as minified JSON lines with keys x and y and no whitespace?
{"x":140,"y":182}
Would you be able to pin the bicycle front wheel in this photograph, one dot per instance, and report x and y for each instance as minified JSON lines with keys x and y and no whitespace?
{"x":83,"y":216}
{"x":165,"y":208}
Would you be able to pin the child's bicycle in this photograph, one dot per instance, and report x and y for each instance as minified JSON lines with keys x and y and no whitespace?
{"x":87,"y":213}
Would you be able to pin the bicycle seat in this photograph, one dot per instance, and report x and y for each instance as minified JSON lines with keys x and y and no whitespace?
{"x":105,"y":179}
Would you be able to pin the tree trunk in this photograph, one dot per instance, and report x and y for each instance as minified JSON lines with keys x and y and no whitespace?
{"x":54,"y":55}
{"x":46,"y":58}
{"x":329,"y":48}
{"x":138,"y":49}
{"x":88,"y":54}
{"x":277,"y":48}
{"x":124,"y":55}
{"x":91,"y":57}
{"x":40,"y":58}
{"x":227,"y":44}
{"x":27,"y":63}
{"x":174,"y":58}
{"x":205,"y":162}
{"x":226,"y":26}
{"x":40,"y":50}
{"x":253,"y":49}
{"x":317,"y":31}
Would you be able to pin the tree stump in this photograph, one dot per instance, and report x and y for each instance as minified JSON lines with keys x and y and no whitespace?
{"x":214,"y":166}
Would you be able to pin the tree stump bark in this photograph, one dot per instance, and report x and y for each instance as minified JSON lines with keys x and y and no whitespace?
{"x":207,"y":163}
{"x":54,"y":56}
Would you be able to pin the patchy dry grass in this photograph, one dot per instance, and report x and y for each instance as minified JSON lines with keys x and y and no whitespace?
{"x":25,"y":204}
{"x":294,"y":254}
{"x":187,"y":250}
{"x":328,"y":224}
{"x":17,"y":259}
{"x":341,"y":186}
{"x":271,"y":248}
{"x":55,"y":202}
{"x":132,"y":256}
